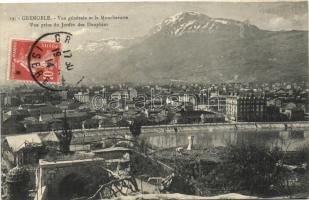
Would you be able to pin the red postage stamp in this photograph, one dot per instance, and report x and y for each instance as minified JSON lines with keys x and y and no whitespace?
{"x":45,"y":62}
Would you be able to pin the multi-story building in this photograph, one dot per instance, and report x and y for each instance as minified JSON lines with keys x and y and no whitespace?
{"x":231,"y":107}
{"x":5,"y":99}
{"x":130,"y":94}
{"x":246,"y":108}
{"x":82,"y":97}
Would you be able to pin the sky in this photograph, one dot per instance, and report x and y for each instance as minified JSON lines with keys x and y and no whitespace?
{"x":142,"y":17}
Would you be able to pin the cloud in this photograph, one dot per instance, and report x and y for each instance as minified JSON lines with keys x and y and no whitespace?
{"x":286,"y":9}
{"x":278,"y":22}
{"x":296,"y":22}
{"x":80,"y":31}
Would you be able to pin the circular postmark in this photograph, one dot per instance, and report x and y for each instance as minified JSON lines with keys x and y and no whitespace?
{"x":43,"y":59}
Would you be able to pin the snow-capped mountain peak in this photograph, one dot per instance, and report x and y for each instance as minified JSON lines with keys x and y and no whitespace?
{"x":109,"y":44}
{"x":113,"y":44}
{"x":186,"y":22}
{"x":182,"y":16}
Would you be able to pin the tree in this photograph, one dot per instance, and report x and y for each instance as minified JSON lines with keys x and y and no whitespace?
{"x":135,"y":126}
{"x":65,"y":136}
{"x":249,"y":168}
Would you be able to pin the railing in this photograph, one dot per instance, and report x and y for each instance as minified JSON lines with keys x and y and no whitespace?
{"x":117,"y":187}
{"x":41,"y":193}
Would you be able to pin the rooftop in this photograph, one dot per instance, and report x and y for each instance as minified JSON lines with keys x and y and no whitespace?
{"x":18,"y":142}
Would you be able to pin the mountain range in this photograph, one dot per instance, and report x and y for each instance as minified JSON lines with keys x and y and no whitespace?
{"x":193,"y":47}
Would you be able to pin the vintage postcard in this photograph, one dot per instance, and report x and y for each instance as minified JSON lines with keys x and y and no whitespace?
{"x":154,"y":100}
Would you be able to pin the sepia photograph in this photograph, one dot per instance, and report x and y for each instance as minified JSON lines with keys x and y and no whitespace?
{"x":154,"y":100}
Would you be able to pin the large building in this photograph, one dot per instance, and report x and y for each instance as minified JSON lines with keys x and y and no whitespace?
{"x":82,"y":97}
{"x":246,"y":108}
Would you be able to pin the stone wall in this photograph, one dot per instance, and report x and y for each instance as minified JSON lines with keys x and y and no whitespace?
{"x":121,"y":131}
{"x":41,"y":194}
{"x":225,"y":126}
{"x":52,"y":173}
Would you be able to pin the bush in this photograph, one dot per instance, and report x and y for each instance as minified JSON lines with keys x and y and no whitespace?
{"x":244,"y":168}
{"x":248,"y":168}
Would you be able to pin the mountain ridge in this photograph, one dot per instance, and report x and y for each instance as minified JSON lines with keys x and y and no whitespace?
{"x":193,"y":21}
{"x":194,"y":47}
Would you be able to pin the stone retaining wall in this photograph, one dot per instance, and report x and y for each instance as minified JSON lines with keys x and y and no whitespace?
{"x":225,"y":126}
{"x":253,"y":126}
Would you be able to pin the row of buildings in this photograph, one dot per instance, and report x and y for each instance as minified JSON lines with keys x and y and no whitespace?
{"x":259,"y":109}
{"x":32,"y":110}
